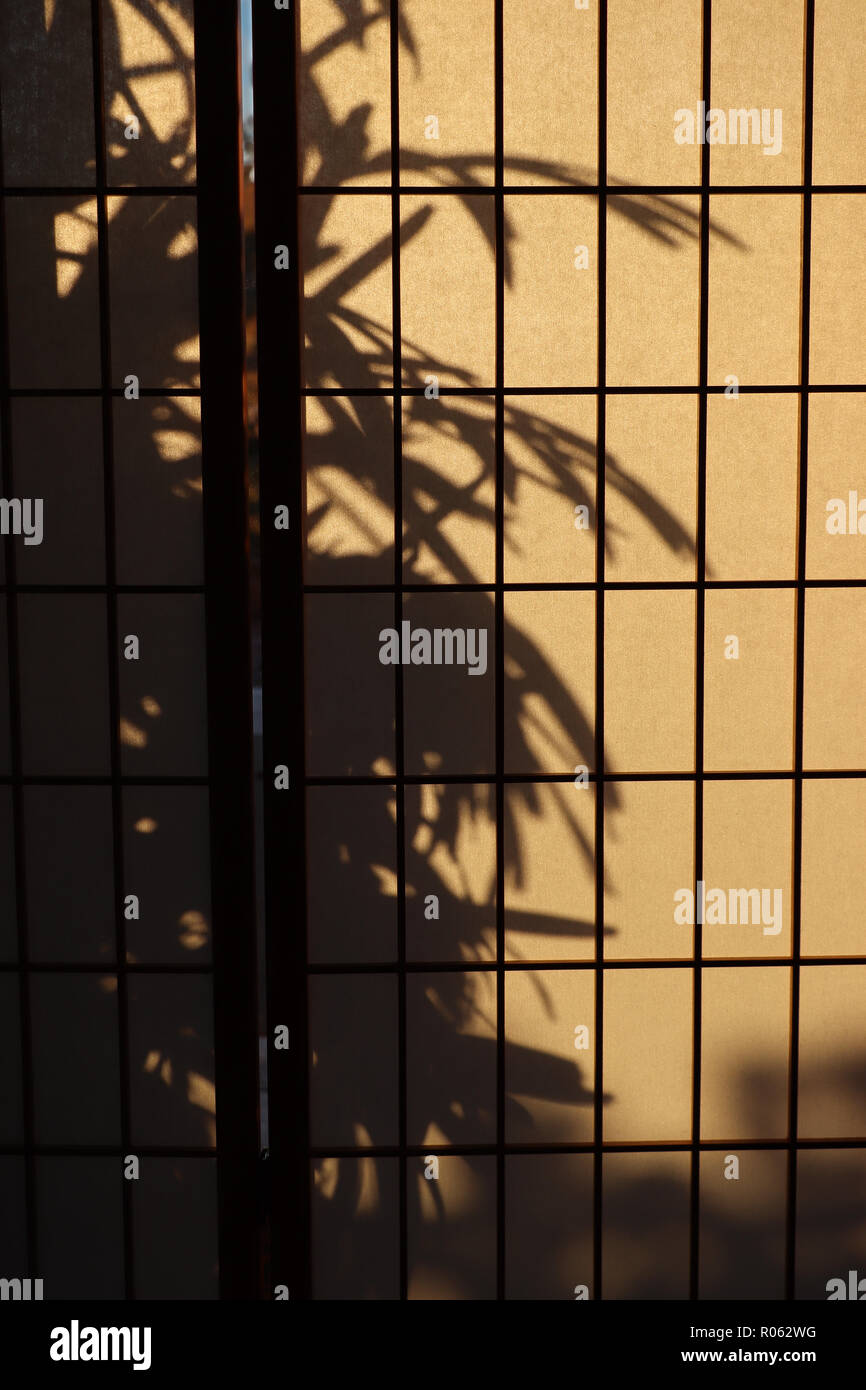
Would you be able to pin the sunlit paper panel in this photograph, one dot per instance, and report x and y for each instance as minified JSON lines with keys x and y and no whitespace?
{"x":745,"y":1040}
{"x":754,"y":292}
{"x":158,"y":490}
{"x":348,"y":454}
{"x":346,"y":313}
{"x":451,"y":1229}
{"x":839,"y":117}
{"x":344,"y":95}
{"x":548,"y":1226}
{"x":836,"y":506}
{"x":449,"y":492}
{"x":651,"y":488}
{"x":149,"y":73}
{"x":749,"y":697}
{"x":831,"y":1235}
{"x":763,"y":73}
{"x":751,"y":511}
{"x":447,"y":289}
{"x":748,"y":828}
{"x":833,"y":867}
{"x":446,"y":92}
{"x":450,"y":848}
{"x":549,"y":1056}
{"x":550,"y":521}
{"x":449,"y":708}
{"x":551,"y":321}
{"x":832,"y":1103}
{"x":355,"y":1220}
{"x":653,"y":291}
{"x":549,"y":871}
{"x":645,"y":1226}
{"x":166,"y":860}
{"x":550,"y":681}
{"x":653,"y":70}
{"x":834,"y":715}
{"x":649,"y":681}
{"x":451,"y":1058}
{"x":171,"y":1043}
{"x":742,"y":1230}
{"x":647,"y":1055}
{"x":837,"y":345}
{"x":550,"y":85}
{"x":351,"y":874}
{"x":648,"y":856}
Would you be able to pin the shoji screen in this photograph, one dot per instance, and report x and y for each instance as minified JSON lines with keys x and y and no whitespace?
{"x":126,"y":942}
{"x":560,"y":343}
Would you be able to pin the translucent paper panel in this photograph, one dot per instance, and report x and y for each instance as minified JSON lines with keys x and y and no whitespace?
{"x":344,"y":88}
{"x":653,"y":69}
{"x":647,"y":1055}
{"x":747,"y":868}
{"x":763,"y":75}
{"x":13,"y":1213}
{"x":446,"y":245}
{"x":745,"y":1042}
{"x":71,"y":899}
{"x":749,"y":659}
{"x":834,"y":717}
{"x":8,"y":922}
{"x":348,"y":454}
{"x":450,"y":838}
{"x":353,"y":1060}
{"x":163,"y":707}
{"x":449,"y":492}
{"x":653,"y":291}
{"x":549,"y":1056}
{"x":166,"y":864}
{"x":449,"y":723}
{"x":831,"y":1240}
{"x":837,"y":349}
{"x":550,"y":681}
{"x":355,"y":1218}
{"x":742,"y":1240}
{"x":446,"y":92}
{"x":46,"y":57}
{"x":149,"y":75}
{"x":548,"y":1225}
{"x":158,"y":490}
{"x":550,"y":79}
{"x":549,"y":871}
{"x":352,"y":885}
{"x":12,"y":1113}
{"x":754,"y":316}
{"x":174,"y":1223}
{"x":649,"y":681}
{"x":52,"y":292}
{"x":76,"y":1062}
{"x":550,"y":509}
{"x":80,"y":1229}
{"x":153,"y":264}
{"x":651,"y":488}
{"x":64,"y":684}
{"x":346,"y":306}
{"x":836,"y":509}
{"x":551,"y":290}
{"x":57,"y":448}
{"x":171,"y":1060}
{"x":752,"y":511}
{"x":645,"y":1233}
{"x":833,"y":867}
{"x":452,"y":1230}
{"x":832,"y":1044}
{"x":648,"y":857}
{"x":451,"y":1058}
{"x":840,"y":34}
{"x":350,"y":723}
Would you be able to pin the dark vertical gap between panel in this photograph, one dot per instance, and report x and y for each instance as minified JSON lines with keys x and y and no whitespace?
{"x":279,"y":369}
{"x":700,"y":610}
{"x":229,"y":676}
{"x":794,"y":1062}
